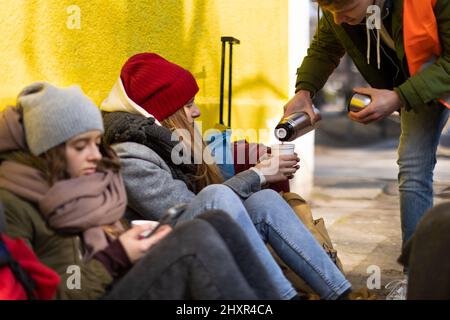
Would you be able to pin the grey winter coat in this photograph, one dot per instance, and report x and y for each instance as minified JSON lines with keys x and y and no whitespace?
{"x":151,"y":189}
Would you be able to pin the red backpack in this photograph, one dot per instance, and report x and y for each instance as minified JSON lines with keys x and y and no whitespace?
{"x":22,"y":275}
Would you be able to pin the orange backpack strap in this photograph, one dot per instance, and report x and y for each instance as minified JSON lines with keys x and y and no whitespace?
{"x":420,"y":29}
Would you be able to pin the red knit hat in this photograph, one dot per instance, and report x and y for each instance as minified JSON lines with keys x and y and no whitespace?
{"x":157,"y":85}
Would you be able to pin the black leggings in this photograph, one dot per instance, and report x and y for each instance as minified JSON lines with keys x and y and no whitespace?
{"x":206,"y":258}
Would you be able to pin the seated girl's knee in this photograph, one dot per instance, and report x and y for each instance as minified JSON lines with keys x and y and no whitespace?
{"x":267,"y":195}
{"x":218,"y":191}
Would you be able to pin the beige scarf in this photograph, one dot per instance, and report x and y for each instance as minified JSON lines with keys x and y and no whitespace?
{"x":80,"y":205}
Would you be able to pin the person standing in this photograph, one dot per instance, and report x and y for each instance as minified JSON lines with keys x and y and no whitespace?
{"x":406,"y":61}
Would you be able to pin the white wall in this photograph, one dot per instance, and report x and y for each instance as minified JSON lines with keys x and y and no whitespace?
{"x":299,"y":15}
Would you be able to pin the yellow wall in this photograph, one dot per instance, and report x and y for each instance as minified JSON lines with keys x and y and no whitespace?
{"x":36,"y":44}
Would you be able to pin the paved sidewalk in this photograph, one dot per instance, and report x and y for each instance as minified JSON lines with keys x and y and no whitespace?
{"x":356,"y":193}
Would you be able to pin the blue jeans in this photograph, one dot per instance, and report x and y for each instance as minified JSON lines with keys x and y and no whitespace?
{"x":279,"y":226}
{"x":329,"y":284}
{"x":416,"y":160}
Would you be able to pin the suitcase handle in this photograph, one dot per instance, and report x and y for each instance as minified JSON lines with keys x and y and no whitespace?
{"x":231,"y":41}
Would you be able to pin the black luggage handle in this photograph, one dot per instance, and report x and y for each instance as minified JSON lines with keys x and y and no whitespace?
{"x":231,"y":41}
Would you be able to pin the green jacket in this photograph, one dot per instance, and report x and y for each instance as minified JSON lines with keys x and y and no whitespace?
{"x":332,"y":41}
{"x":56,"y":251}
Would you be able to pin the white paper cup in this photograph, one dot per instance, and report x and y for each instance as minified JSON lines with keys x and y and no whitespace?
{"x":282,"y":149}
{"x":152,"y":224}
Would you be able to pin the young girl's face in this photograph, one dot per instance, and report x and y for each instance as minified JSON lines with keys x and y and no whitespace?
{"x":191,"y":111}
{"x":83,"y":154}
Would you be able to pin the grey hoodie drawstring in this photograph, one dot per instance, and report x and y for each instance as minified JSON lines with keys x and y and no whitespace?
{"x":368,"y":45}
{"x":378,"y":47}
{"x":378,"y":26}
{"x":378,"y":50}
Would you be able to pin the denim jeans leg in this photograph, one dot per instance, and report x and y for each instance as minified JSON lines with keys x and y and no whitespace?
{"x":416,"y":160}
{"x":294,"y":244}
{"x":220,"y":197}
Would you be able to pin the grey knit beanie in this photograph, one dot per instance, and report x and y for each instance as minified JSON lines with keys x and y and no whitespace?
{"x":54,"y":115}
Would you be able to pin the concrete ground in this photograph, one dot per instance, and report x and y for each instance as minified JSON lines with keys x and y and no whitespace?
{"x":356,"y":193}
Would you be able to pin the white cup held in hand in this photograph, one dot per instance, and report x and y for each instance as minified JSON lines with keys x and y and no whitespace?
{"x":282,"y":149}
{"x":152,"y":224}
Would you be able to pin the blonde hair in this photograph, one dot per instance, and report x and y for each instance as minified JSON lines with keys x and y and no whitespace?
{"x":207,"y":171}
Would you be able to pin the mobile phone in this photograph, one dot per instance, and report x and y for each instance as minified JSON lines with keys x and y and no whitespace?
{"x":169,"y":218}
